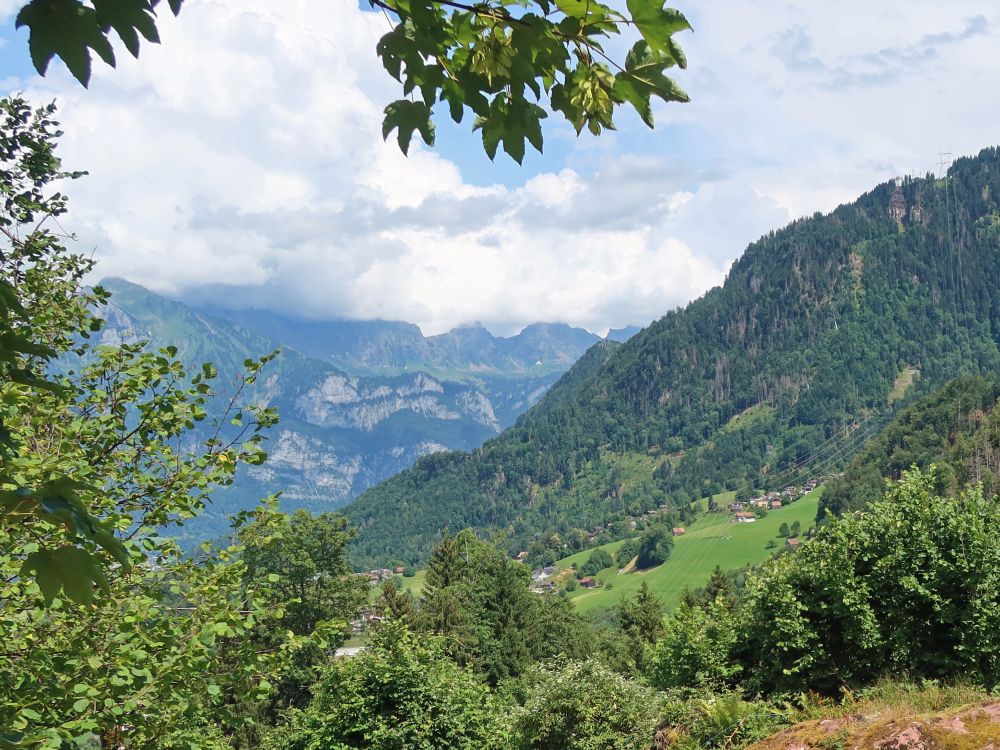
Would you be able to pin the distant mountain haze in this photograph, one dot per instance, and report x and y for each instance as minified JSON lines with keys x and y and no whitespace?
{"x":467,"y":351}
{"x":358,"y":400}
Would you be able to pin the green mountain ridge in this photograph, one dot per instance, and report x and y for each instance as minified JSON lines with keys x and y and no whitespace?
{"x":815,"y":338}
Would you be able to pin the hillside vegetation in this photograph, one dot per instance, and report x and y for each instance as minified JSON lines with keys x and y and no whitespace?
{"x":956,"y":428}
{"x":820,"y":331}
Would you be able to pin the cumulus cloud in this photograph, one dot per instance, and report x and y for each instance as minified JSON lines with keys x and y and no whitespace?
{"x":241,"y":162}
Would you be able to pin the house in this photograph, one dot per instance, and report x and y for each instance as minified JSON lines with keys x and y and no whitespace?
{"x":588,"y":582}
{"x":543,"y":587}
{"x":793,"y":542}
{"x":541,"y":574}
{"x":366,"y":620}
{"x":745,"y":517}
{"x":521,"y":555}
{"x":400,"y":570}
{"x":678,"y":531}
{"x":775,"y":504}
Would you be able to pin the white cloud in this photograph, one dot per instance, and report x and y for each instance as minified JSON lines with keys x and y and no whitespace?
{"x":243,"y":159}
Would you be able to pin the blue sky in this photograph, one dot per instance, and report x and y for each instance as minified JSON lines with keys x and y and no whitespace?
{"x":241,"y":160}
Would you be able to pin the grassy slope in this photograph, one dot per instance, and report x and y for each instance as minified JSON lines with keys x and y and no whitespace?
{"x":713,"y":539}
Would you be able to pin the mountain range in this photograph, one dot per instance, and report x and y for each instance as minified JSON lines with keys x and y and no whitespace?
{"x":820,"y":333}
{"x":358,"y":400}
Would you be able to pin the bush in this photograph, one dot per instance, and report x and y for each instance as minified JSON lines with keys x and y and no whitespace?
{"x":911,"y":586}
{"x":583,"y":706}
{"x":626,"y":552}
{"x":599,"y":560}
{"x":694,"y":649}
{"x":401,"y":691}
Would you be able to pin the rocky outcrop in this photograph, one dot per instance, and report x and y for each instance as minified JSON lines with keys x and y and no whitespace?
{"x":969,"y":728}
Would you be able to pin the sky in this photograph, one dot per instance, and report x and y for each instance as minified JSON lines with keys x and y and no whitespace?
{"x":241,"y":161}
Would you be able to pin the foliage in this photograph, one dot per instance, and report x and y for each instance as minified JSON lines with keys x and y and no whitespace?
{"x":508,"y":63}
{"x":910,"y":586}
{"x":599,"y":560}
{"x":41,"y":311}
{"x":723,"y":719}
{"x":694,"y":650}
{"x":306,"y":554}
{"x":479,"y":600}
{"x":401,"y":691}
{"x":70,"y":29}
{"x":583,"y":706}
{"x":626,"y":552}
{"x":396,"y":603}
{"x":655,"y":545}
{"x":98,"y":455}
{"x":164,"y":659}
{"x":640,"y":619}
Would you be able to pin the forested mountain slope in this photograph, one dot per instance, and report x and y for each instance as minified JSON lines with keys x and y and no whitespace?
{"x":820,"y":330}
{"x":956,"y":428}
{"x":340,"y":432}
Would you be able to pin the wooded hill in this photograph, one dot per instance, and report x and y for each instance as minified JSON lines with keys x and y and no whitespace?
{"x":956,"y":428}
{"x":820,"y":332}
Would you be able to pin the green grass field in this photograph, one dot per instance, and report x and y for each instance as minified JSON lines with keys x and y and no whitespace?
{"x":714,"y":539}
{"x":414,"y":584}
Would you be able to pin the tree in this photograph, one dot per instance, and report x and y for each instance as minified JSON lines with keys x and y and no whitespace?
{"x":508,"y":64}
{"x":694,"y":650}
{"x":108,"y":628}
{"x":401,"y":691}
{"x":796,"y":528}
{"x":395,"y":603}
{"x":599,"y":560}
{"x":641,"y":621}
{"x":308,"y":556}
{"x":783,"y":529}
{"x":42,"y":310}
{"x":626,"y":552}
{"x":654,"y":546}
{"x":488,"y":616}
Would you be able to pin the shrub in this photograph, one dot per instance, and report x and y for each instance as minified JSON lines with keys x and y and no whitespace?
{"x":400,"y":691}
{"x":583,"y":706}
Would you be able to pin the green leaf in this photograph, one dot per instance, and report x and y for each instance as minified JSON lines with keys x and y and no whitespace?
{"x":127,"y":17}
{"x":657,"y":24}
{"x":66,"y":28}
{"x":69,"y":569}
{"x":404,"y":117}
{"x":643,"y":78}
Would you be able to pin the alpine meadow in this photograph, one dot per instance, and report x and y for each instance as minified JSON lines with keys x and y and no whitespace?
{"x":334,"y":417}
